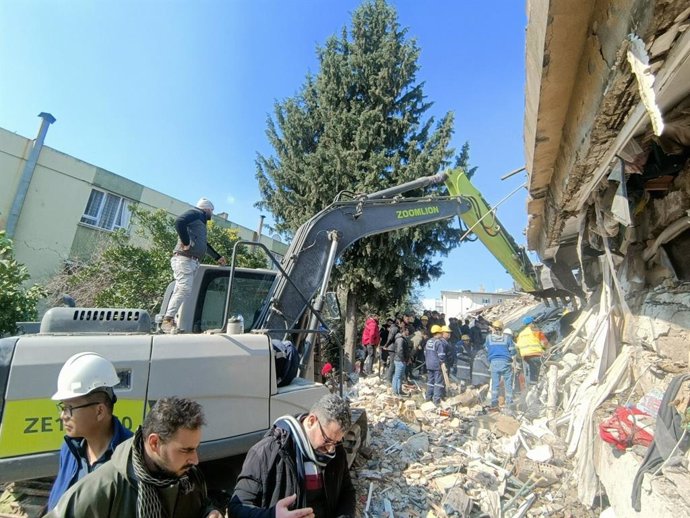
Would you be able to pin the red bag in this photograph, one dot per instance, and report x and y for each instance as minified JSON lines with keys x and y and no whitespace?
{"x":626,"y":427}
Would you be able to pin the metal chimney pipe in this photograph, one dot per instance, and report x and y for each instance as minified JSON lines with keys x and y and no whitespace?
{"x":27,"y":174}
{"x":260,"y":229}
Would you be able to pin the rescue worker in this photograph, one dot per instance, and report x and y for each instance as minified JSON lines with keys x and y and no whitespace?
{"x":464,"y":363}
{"x":86,"y":400}
{"x":476,"y":335}
{"x":451,"y":351}
{"x":500,"y":350}
{"x":435,"y":355}
{"x":531,"y":344}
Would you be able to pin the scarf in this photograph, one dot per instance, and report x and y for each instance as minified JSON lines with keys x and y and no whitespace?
{"x":148,"y":502}
{"x":305,"y":451}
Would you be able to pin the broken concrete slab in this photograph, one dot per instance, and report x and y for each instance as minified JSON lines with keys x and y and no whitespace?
{"x":498,"y":423}
{"x":457,"y":501}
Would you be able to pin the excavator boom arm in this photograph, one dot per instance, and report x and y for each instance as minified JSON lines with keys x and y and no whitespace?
{"x":485,"y":225}
{"x":307,"y":259}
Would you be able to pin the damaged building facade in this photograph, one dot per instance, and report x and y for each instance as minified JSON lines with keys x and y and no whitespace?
{"x":607,"y":143}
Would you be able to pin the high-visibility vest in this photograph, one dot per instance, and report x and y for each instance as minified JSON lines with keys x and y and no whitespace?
{"x":529,"y":343}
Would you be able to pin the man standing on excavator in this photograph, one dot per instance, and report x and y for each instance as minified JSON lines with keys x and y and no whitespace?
{"x":191,"y":248}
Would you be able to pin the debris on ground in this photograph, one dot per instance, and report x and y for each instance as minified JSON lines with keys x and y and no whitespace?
{"x":25,"y":499}
{"x":457,"y":459}
{"x":571,"y":446}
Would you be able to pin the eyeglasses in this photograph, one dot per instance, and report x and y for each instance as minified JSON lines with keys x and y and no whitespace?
{"x":327,"y":440}
{"x":68,"y":410}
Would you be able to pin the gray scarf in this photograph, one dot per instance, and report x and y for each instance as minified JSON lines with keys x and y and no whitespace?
{"x":148,"y":501}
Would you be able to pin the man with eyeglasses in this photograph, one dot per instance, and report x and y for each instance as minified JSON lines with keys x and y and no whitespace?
{"x":86,"y":400}
{"x":299,"y":469}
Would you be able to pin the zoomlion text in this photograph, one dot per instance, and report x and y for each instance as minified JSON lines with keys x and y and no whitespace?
{"x":422,"y":211}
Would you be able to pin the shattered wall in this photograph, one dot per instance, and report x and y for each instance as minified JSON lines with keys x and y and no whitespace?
{"x":601,"y":100}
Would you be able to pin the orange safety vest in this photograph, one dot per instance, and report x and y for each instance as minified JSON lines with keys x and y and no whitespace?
{"x":529,"y":343}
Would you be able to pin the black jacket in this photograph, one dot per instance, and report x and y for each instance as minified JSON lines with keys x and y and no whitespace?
{"x":388,"y":345}
{"x":402,"y":348}
{"x":269,"y":473}
{"x":191,"y":230}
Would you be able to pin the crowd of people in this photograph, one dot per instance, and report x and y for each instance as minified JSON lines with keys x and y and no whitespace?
{"x":407,"y":346}
{"x":299,"y":469}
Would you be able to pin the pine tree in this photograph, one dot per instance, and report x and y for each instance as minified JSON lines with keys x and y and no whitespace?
{"x":358,"y":126}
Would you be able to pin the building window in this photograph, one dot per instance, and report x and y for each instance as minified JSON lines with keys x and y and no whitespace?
{"x":106,"y":211}
{"x":486,"y":301}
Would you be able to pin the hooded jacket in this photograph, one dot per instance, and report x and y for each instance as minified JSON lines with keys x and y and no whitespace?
{"x":70,"y":461}
{"x":269,"y":474}
{"x":191,"y":230}
{"x":111,"y":492}
{"x":370,"y":335}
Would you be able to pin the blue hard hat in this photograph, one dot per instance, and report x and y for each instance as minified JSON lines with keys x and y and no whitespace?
{"x":527,"y":320}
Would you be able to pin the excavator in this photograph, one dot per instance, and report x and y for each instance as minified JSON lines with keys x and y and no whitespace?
{"x":231,"y":370}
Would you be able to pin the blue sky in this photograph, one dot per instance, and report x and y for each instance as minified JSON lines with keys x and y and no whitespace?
{"x":175,"y":94}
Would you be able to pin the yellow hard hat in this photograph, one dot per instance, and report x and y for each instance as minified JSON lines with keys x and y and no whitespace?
{"x":445,"y":329}
{"x":497,"y":324}
{"x":435,"y":329}
{"x":465,"y":337}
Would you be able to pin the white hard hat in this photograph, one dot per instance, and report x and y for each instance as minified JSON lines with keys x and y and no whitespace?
{"x":204,"y":204}
{"x":83,"y":373}
{"x":508,"y":331}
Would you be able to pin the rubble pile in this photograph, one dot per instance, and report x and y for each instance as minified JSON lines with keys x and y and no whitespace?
{"x":511,"y":310}
{"x":457,"y":459}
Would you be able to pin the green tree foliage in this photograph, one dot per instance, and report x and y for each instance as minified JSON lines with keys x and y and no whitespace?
{"x":463,"y":160}
{"x":124,"y":274}
{"x":17,"y":303}
{"x":359,"y":126}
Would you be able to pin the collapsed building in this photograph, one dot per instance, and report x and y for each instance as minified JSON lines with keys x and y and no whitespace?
{"x":607,"y":142}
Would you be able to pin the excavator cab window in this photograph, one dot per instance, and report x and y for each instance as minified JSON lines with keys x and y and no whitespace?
{"x":249,"y":290}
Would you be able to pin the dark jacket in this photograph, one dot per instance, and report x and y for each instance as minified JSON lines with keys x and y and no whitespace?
{"x":402,"y":349}
{"x":269,"y":473}
{"x":435,"y":353}
{"x":111,"y":492}
{"x":70,"y":461}
{"x":476,"y":336}
{"x":191,"y":230}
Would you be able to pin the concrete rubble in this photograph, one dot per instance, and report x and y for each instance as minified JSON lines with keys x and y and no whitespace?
{"x":547,"y":457}
{"x":456,"y":459}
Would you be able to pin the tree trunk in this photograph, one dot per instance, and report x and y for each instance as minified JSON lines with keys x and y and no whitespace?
{"x":350,"y":329}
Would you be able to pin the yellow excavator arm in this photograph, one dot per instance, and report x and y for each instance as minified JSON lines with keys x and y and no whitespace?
{"x":485,"y":225}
